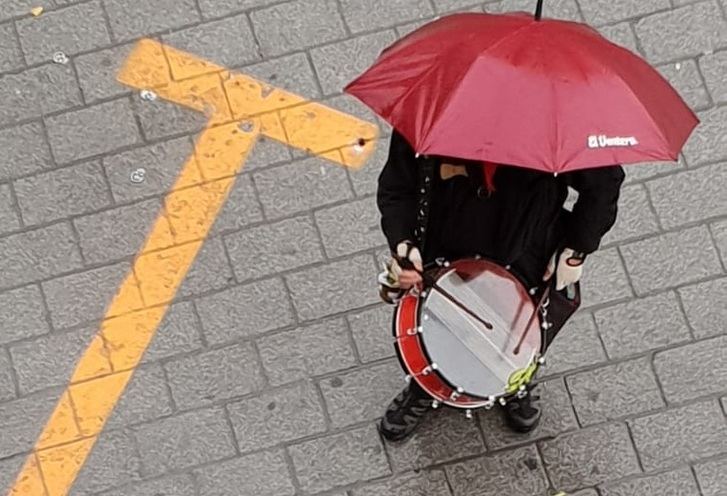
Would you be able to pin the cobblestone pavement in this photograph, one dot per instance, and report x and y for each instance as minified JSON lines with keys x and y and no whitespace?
{"x":272,"y":365}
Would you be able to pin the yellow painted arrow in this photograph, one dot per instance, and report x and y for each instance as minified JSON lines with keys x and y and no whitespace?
{"x":240,"y":109}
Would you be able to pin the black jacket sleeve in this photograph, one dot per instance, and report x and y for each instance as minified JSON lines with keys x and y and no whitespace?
{"x":397,"y":192}
{"x":595,"y":211}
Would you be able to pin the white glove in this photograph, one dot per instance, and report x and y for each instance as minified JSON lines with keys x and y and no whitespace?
{"x":406,"y":250}
{"x":389,"y":288}
{"x":569,"y":271}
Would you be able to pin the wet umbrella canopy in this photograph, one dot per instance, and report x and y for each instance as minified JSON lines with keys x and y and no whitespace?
{"x":515,"y":89}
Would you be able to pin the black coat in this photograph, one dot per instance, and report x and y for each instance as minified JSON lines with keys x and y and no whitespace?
{"x":521,"y":223}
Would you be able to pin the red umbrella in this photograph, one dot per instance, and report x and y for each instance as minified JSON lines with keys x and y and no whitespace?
{"x":512,"y":89}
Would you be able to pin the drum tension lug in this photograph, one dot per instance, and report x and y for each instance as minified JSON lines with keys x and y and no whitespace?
{"x":468,"y":414}
{"x":435,"y":404}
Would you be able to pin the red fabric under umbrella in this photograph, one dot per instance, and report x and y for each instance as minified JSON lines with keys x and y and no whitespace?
{"x":545,"y":94}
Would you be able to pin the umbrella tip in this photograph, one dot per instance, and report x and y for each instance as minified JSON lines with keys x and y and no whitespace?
{"x":539,"y":10}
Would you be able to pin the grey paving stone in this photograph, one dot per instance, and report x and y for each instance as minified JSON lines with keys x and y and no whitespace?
{"x":34,"y":92}
{"x":614,"y":391}
{"x":25,"y":151}
{"x":7,"y":384}
{"x":117,"y":233}
{"x":577,"y":345}
{"x":635,"y":217}
{"x":719,"y":231}
{"x":621,"y":34}
{"x":87,"y":132}
{"x":641,"y":325}
{"x":350,"y":227}
{"x":218,"y":8}
{"x":300,"y":25}
{"x":713,"y":67}
{"x":590,"y":456}
{"x":682,"y":32}
{"x":228,"y":42}
{"x":9,"y":469}
{"x":160,"y":119}
{"x":146,"y":398}
{"x":365,"y":178}
{"x":428,"y":483}
{"x":690,"y":196}
{"x":293,"y":73}
{"x":178,"y":333}
{"x":557,"y":9}
{"x":362,"y":394}
{"x":272,"y":248}
{"x":162,"y":162}
{"x":22,"y":420}
{"x":647,"y":170}
{"x":693,"y":370}
{"x":112,"y":462}
{"x":84,"y":296}
{"x":10,"y":55}
{"x":339,"y":459}
{"x":352,"y":106}
{"x":708,"y":143}
{"x":277,"y":416}
{"x":339,"y":63}
{"x":671,"y":259}
{"x":685,"y":78}
{"x":261,"y":474}
{"x":240,"y":209}
{"x":316,"y":292}
{"x":675,"y":483}
{"x":405,"y":29}
{"x":558,"y":417}
{"x":306,"y":351}
{"x":22,"y":314}
{"x":604,"y":278}
{"x":712,"y":477}
{"x":16,"y":8}
{"x":605,"y":12}
{"x":517,"y":473}
{"x":97,"y":73}
{"x":680,"y":435}
{"x":48,"y":360}
{"x":445,"y":435}
{"x":267,"y":152}
{"x":244,"y":311}
{"x":216,"y":375}
{"x":34,"y":255}
{"x":587,"y":492}
{"x":78,"y":28}
{"x":9,"y":220}
{"x":704,"y":306}
{"x":183,"y":441}
{"x":62,"y":193}
{"x":130,"y":19}
{"x":452,"y":5}
{"x":174,"y":485}
{"x":372,"y":333}
{"x":362,"y":15}
{"x":210,"y":271}
{"x":301,"y":185}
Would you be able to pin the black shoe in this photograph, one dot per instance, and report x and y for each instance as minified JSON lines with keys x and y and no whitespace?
{"x":405,"y":413}
{"x":523,"y":414}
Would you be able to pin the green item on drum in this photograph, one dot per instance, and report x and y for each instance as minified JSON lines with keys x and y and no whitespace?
{"x":521,"y":377}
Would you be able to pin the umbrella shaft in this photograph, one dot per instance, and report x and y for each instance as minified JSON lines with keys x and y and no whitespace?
{"x":539,"y":10}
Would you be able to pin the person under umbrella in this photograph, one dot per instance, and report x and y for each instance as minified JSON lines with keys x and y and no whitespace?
{"x":501,"y":115}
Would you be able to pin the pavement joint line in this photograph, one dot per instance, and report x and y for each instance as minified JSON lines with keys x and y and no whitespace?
{"x":682,"y":309}
{"x":154,"y":299}
{"x":722,"y":261}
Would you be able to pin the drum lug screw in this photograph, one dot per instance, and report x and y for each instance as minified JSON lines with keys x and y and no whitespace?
{"x":407,"y":378}
{"x":460,"y":389}
{"x":425,"y":317}
{"x":503,"y":401}
{"x":454,"y":396}
{"x":468,"y":414}
{"x":435,"y":404}
{"x":533,"y":291}
{"x":446,"y":263}
{"x":424,"y":294}
{"x":523,"y":392}
{"x":541,"y":360}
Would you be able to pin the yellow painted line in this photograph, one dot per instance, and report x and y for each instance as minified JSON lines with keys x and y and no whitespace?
{"x":240,"y":109}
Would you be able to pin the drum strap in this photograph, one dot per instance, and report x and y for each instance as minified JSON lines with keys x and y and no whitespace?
{"x":426,"y":180}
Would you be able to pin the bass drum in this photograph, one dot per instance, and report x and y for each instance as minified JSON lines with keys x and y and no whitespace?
{"x":471,"y":337}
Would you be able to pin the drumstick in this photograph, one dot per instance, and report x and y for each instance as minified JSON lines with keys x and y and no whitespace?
{"x":532,"y":318}
{"x":407,"y":264}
